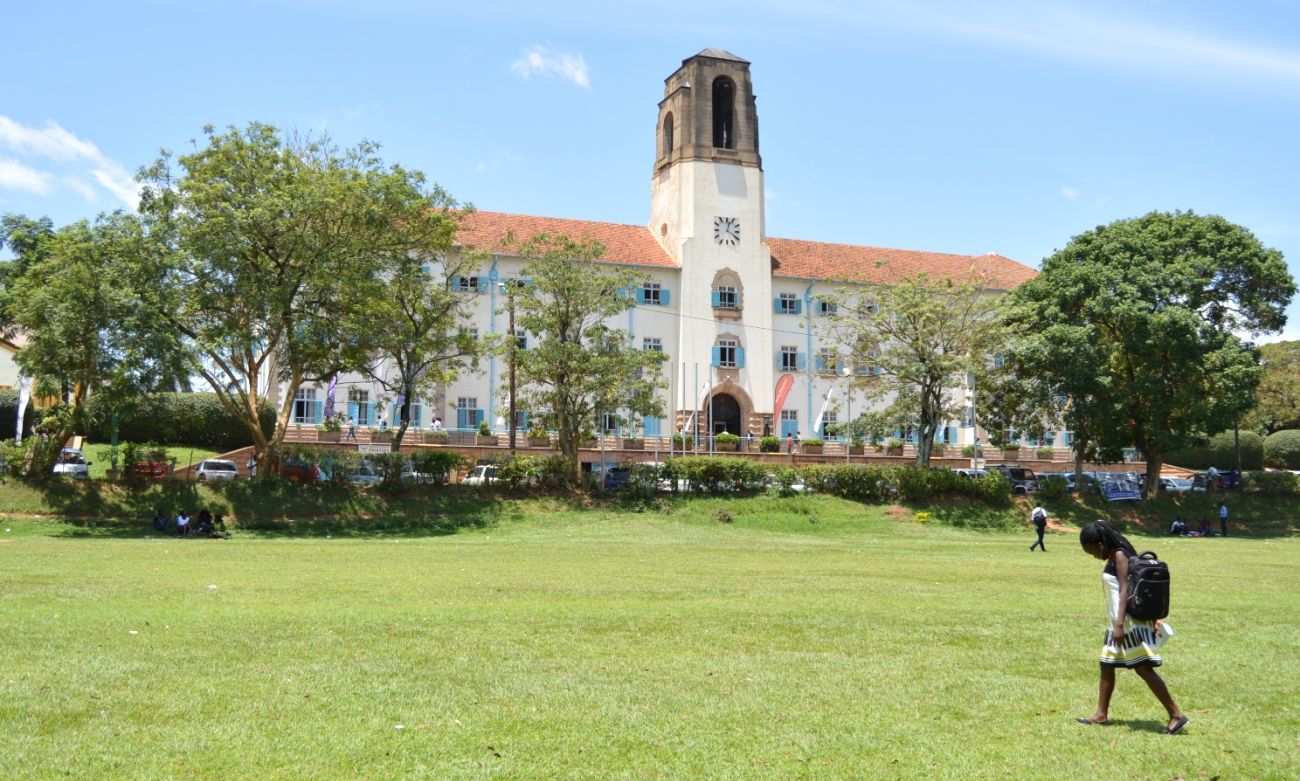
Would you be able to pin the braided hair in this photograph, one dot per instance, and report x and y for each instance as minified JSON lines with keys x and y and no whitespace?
{"x":1107,"y":536}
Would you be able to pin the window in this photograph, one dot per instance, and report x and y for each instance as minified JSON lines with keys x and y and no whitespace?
{"x":725,"y":297}
{"x":668,"y":135}
{"x":827,"y":361}
{"x":789,"y":422}
{"x":727,"y":354}
{"x":611,"y":423}
{"x":967,"y":417}
{"x":649,"y":343}
{"x":359,"y":407}
{"x":470,"y":332}
{"x":468,"y":415}
{"x":465,"y":284}
{"x":521,"y":339}
{"x":305,"y":407}
{"x":827,"y":308}
{"x":417,"y":414}
{"x":788,"y":304}
{"x":652,"y":294}
{"x":724,"y":104}
{"x":829,"y":421}
{"x":790,"y":359}
{"x":867,"y":310}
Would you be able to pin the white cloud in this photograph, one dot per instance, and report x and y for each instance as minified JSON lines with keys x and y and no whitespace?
{"x":55,"y":143}
{"x":1077,"y":31}
{"x":16,"y":176}
{"x":546,"y":61}
{"x":1070,"y":193}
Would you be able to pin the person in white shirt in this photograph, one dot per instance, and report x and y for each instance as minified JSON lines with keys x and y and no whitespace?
{"x":183,"y":524}
{"x":437,"y":424}
{"x":1039,"y":517}
{"x":252,"y":466}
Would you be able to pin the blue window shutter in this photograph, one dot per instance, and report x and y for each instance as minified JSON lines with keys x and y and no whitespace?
{"x":776,"y":306}
{"x":318,"y":413}
{"x":664,"y":298}
{"x":717,"y":351}
{"x":800,"y":364}
{"x":461,"y":418}
{"x":455,"y":283}
{"x":392,"y":419}
{"x":352,"y":410}
{"x":740,"y":357}
{"x":798,"y":307}
{"x":640,"y":295}
{"x":716,"y":298}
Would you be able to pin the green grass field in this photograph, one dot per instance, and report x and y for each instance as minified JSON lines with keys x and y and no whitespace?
{"x":809,"y":638}
{"x":181,"y":455}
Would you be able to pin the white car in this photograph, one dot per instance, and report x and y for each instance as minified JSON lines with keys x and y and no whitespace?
{"x":72,"y":463}
{"x":1175,"y":485}
{"x":482,"y":475}
{"x":216,"y":469}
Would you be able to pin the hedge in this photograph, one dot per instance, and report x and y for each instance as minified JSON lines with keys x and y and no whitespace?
{"x":1282,"y":449}
{"x":177,"y":418}
{"x":1221,"y":453}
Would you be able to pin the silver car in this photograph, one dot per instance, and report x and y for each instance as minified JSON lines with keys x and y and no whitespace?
{"x":216,"y":469}
{"x":72,"y":463}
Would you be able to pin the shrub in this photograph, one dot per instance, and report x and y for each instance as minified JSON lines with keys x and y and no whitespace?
{"x":1011,"y":448}
{"x":553,"y":471}
{"x":786,"y":479}
{"x":518,"y":471}
{"x":968,"y":451}
{"x":1044,"y":453}
{"x":1282,"y":450}
{"x":1272,"y":483}
{"x":769,"y":445}
{"x":683,"y":439}
{"x":726,"y":438}
{"x":437,"y":462}
{"x":484,"y":430}
{"x":1053,"y":487}
{"x":717,"y":475}
{"x":723,"y":514}
{"x":875,"y":482}
{"x":334,"y":422}
{"x":1221,"y":452}
{"x":441,"y":435}
{"x":814,"y":442}
{"x":894,"y":444}
{"x":176,"y":418}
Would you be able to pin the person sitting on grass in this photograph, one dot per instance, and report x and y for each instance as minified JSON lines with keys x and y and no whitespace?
{"x":1130,"y":643}
{"x":183,"y":524}
{"x":1178,"y":527}
{"x":205,"y":524}
{"x":160,"y":521}
{"x":1206,"y":530}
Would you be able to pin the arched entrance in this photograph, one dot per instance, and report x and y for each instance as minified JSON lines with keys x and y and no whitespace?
{"x":726,"y":414}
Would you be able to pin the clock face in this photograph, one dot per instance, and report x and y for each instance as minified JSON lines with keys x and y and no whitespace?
{"x":726,"y":230}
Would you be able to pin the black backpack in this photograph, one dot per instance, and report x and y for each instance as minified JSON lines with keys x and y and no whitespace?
{"x":1148,"y":587}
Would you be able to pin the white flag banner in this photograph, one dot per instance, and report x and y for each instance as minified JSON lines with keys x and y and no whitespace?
{"x":817,"y":426}
{"x":704,"y":393}
{"x":24,"y":396}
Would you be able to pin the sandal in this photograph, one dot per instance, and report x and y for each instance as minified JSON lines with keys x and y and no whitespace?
{"x":1090,"y":722}
{"x":1178,"y":725}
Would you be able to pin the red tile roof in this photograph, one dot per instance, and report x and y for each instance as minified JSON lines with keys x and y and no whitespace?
{"x":857,"y":263}
{"x":635,"y":244}
{"x":632,"y":244}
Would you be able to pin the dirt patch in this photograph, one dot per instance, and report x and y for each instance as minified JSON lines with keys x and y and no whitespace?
{"x":897,"y":511}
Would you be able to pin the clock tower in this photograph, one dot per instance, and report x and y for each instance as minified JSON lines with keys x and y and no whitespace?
{"x":707,"y":211}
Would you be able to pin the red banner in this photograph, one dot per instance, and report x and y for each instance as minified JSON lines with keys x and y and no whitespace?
{"x":783,"y":387}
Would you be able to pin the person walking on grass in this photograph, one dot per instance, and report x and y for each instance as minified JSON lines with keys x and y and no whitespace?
{"x":1130,"y":643}
{"x":1223,"y":517}
{"x":1039,"y":517}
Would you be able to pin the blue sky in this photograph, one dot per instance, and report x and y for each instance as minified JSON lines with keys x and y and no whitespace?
{"x":965,"y":127}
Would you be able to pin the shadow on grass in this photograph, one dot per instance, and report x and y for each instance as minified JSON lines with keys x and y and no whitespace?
{"x":1253,"y":516}
{"x":1142,"y":725}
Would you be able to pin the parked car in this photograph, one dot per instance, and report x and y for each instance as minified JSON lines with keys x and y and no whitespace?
{"x":482,"y":474}
{"x":156,"y":469}
{"x":216,"y":469}
{"x":1023,"y":481}
{"x":972,"y":473}
{"x":72,"y":463}
{"x":617,"y":478}
{"x":1175,"y":485}
{"x":1066,"y":476}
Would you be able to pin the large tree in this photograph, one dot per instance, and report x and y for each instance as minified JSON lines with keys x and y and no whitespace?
{"x":579,"y":365}
{"x":421,"y":325}
{"x":67,"y":293}
{"x":268,"y":258}
{"x":1136,"y":322}
{"x":1279,"y":388}
{"x":920,"y":336}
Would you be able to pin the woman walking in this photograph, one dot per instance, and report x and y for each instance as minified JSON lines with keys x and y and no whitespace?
{"x":1130,"y":643}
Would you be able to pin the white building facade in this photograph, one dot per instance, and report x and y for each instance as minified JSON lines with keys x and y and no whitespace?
{"x":733,"y":309}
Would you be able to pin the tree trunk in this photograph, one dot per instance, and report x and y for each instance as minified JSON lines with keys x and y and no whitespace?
{"x":1079,"y":446}
{"x":1152,"y":487}
{"x":407,"y":403}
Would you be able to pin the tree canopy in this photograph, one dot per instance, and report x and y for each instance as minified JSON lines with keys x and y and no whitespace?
{"x":1136,"y":322}
{"x":579,"y":365}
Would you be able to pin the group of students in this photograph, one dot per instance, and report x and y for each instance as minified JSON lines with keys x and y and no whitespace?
{"x":1180,"y":528}
{"x":208,"y":525}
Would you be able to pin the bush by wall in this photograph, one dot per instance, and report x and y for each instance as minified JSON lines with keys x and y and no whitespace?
{"x":1282,"y":449}
{"x":177,"y":418}
{"x":1221,"y":453}
{"x":769,"y":445}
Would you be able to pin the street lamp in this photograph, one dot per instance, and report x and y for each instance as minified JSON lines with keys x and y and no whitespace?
{"x":509,"y":290}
